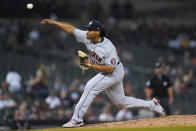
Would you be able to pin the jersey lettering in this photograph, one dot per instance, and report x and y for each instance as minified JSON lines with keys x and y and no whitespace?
{"x":113,"y":61}
{"x":93,"y":54}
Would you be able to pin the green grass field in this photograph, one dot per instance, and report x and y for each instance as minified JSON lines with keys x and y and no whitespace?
{"x":190,"y":128}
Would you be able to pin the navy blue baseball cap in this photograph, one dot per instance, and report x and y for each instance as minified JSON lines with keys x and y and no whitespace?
{"x":94,"y":25}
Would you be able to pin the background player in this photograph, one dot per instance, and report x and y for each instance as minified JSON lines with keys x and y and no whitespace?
{"x":105,"y":60}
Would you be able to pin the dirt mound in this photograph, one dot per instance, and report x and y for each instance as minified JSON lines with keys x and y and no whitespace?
{"x":180,"y":120}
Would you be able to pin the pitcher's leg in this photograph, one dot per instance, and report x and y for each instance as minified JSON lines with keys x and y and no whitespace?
{"x":96,"y":85}
{"x":87,"y":98}
{"x":116,"y":94}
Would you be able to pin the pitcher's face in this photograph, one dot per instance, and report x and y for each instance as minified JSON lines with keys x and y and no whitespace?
{"x":92,"y":34}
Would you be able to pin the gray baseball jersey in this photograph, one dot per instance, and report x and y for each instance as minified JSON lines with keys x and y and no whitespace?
{"x":104,"y":53}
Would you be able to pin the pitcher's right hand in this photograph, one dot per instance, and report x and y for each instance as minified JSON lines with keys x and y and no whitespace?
{"x":47,"y":21}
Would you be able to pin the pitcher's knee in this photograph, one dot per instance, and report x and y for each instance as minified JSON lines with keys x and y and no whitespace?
{"x":120,"y":103}
{"x":119,"y":106}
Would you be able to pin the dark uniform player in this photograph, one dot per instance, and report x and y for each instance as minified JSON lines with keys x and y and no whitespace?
{"x":160,"y":86}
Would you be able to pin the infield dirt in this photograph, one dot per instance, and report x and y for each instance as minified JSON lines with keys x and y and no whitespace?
{"x":180,"y":120}
{"x":169,"y":123}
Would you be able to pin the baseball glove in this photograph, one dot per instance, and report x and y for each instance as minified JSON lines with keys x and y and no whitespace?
{"x":84,"y":60}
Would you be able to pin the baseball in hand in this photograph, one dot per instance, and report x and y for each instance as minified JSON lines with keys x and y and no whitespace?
{"x":29,"y":6}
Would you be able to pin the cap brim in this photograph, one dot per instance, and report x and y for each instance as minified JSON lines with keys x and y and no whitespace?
{"x":90,"y":27}
{"x":87,"y":27}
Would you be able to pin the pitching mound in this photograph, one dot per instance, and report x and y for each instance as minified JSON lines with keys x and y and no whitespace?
{"x":181,"y":120}
{"x":170,"y":123}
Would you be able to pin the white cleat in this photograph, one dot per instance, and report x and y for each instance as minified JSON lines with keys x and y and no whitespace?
{"x":72,"y":124}
{"x":156,"y":107}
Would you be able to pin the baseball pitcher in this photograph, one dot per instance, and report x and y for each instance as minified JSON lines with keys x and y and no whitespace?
{"x":104,"y":59}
